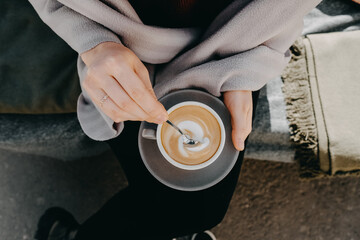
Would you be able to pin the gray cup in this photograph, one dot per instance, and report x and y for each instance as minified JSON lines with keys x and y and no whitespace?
{"x":178,"y":178}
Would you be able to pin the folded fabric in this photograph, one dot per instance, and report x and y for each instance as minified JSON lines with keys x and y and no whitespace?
{"x":321,"y":86}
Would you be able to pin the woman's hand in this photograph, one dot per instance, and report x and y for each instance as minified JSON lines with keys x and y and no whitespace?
{"x":116,"y":71}
{"x":240,"y":106}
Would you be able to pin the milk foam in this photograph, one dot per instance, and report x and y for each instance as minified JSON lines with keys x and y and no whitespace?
{"x":201,"y":125}
{"x":197,"y":133}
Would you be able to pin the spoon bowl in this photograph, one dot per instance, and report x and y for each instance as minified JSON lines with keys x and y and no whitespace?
{"x":187,"y":140}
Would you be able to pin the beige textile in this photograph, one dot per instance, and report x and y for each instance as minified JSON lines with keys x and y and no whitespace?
{"x":333,"y":61}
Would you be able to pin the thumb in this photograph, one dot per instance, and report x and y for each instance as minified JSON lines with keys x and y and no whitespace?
{"x":239,"y":104}
{"x":240,"y":129}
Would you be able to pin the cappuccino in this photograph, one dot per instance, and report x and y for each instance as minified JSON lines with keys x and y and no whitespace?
{"x":198,"y":123}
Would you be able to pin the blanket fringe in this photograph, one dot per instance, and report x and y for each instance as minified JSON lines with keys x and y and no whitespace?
{"x":300,"y":112}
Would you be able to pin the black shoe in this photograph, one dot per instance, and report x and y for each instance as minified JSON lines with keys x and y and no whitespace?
{"x":56,"y":224}
{"x":206,"y":235}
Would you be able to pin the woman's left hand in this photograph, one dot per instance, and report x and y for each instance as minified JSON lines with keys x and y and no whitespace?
{"x":240,"y":106}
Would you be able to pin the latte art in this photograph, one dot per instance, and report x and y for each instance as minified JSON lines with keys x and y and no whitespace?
{"x":195,"y":131}
{"x":200,"y":125}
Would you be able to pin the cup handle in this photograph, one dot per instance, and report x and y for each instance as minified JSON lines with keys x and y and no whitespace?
{"x":149,"y":131}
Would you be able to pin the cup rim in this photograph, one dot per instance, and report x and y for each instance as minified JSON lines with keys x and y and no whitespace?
{"x":201,"y":165}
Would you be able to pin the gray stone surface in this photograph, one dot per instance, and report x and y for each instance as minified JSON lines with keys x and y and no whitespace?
{"x":270,"y":201}
{"x":51,"y":135}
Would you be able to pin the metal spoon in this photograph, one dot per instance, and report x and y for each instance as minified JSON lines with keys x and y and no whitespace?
{"x":186,"y":138}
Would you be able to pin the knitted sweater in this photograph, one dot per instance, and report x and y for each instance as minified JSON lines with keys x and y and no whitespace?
{"x":245,"y":46}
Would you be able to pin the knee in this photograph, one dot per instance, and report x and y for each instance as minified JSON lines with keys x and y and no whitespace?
{"x":209,"y":218}
{"x":215,"y":219}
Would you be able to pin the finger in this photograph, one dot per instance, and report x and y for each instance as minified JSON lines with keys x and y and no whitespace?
{"x":121,"y":99}
{"x":143,"y":74}
{"x":137,"y":90}
{"x":108,"y":106}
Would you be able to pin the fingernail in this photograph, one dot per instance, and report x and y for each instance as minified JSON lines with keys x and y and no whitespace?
{"x":161,"y":119}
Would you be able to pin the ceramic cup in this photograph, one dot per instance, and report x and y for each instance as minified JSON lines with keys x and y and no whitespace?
{"x":207,"y":162}
{"x":180,"y":176}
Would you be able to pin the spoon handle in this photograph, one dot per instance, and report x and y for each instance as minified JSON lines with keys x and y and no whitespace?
{"x":174,"y":126}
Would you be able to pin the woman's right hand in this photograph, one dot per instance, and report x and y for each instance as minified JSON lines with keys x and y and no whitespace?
{"x":116,"y":71}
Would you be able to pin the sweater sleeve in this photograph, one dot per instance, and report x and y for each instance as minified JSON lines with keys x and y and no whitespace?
{"x":78,"y":31}
{"x":256,"y":66}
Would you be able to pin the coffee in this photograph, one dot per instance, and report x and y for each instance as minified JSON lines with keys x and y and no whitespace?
{"x":200,"y":124}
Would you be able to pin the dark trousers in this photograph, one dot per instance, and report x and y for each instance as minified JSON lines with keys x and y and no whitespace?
{"x":147,"y":209}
